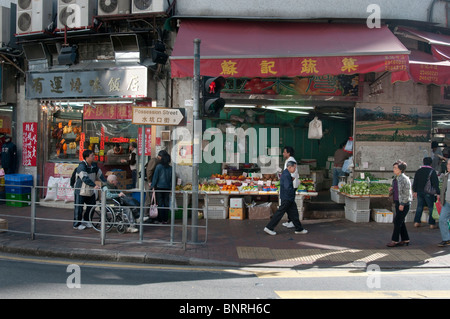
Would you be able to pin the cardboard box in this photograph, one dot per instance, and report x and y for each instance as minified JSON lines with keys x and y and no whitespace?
{"x":237,"y":202}
{"x":259,"y":212}
{"x":236,"y":213}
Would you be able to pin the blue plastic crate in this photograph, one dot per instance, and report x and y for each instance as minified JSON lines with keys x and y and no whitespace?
{"x":13,"y":183}
{"x":137,"y":196}
{"x":19,"y":179}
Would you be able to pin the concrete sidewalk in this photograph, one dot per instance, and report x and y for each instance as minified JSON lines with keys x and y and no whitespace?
{"x":227,"y":243}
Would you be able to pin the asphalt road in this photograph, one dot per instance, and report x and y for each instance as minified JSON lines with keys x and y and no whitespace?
{"x":33,"y":277}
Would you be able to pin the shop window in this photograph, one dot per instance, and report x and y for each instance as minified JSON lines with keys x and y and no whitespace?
{"x":65,"y":130}
{"x":103,"y":136}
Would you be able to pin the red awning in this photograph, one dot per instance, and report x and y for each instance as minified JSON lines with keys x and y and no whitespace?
{"x":427,"y":69}
{"x":286,"y":49}
{"x":440,"y":43}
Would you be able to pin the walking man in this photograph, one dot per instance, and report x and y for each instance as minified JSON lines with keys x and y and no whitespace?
{"x":288,"y":205}
{"x":87,"y":173}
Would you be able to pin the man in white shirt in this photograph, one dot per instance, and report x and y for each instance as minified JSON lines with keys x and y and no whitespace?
{"x":288,"y":155}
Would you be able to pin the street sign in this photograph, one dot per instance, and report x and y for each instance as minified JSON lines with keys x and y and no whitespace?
{"x":157,"y":116}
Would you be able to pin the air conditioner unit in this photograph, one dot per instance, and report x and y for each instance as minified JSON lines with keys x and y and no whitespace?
{"x":149,"y":6}
{"x":33,"y":15}
{"x":111,"y":7}
{"x":76,"y":14}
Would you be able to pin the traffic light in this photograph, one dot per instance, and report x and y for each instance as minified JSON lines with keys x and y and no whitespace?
{"x":212,"y":102}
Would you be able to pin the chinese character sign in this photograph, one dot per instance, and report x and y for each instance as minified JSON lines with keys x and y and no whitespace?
{"x":148,"y":141}
{"x":29,"y":144}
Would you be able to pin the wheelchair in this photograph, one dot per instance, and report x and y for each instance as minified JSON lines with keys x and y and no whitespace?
{"x":115,"y":216}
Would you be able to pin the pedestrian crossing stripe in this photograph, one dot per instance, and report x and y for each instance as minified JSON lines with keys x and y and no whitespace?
{"x":330,"y":255}
{"x":372,"y":294}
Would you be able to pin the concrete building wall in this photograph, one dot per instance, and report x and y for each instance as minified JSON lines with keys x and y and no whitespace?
{"x":305,"y":9}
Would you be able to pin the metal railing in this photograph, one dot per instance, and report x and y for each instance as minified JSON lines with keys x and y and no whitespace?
{"x":34,"y":204}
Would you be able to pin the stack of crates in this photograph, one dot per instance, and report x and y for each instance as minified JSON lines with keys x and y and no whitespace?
{"x":357,"y":209}
{"x":18,"y":189}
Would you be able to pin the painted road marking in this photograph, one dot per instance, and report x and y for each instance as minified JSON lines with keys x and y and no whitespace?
{"x":354,"y":294}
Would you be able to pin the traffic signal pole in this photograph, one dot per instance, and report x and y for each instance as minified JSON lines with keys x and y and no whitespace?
{"x":196,"y":149}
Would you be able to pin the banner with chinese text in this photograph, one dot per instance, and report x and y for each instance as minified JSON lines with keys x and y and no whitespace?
{"x":29,"y":144}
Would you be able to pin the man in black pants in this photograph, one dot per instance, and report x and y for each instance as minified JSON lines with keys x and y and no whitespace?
{"x":288,"y":205}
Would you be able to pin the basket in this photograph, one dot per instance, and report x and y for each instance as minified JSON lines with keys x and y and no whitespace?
{"x":357,"y":216}
{"x":216,"y":212}
{"x":336,"y":196}
{"x":217,"y":200}
{"x":357,"y":203}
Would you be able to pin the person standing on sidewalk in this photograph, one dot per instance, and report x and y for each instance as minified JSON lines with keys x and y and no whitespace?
{"x":87,"y":173}
{"x":288,"y":155}
{"x":9,"y":156}
{"x":420,"y":179}
{"x":401,"y":189}
{"x":445,"y":210}
{"x":339,"y":158}
{"x":288,"y":205}
{"x":132,"y":161}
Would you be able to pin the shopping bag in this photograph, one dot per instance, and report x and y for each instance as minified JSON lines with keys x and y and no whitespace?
{"x":153,"y":207}
{"x":435,"y":213}
{"x":315,"y":129}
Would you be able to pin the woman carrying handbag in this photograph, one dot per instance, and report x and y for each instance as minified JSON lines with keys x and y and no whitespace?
{"x":162,"y":185}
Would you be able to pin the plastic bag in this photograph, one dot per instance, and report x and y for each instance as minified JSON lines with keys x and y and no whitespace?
{"x":436,"y":210}
{"x":52,"y":188}
{"x":348,"y":165}
{"x":315,"y":129}
{"x":349,"y":145}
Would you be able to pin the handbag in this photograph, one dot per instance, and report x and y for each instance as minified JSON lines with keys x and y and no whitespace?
{"x":153,"y":207}
{"x":429,"y":189}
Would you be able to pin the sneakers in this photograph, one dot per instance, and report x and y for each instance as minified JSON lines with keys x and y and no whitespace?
{"x":132,"y":230}
{"x":288,"y":224}
{"x":270,"y":232}
{"x":444,"y":243}
{"x":138,"y":220}
{"x":80,"y":227}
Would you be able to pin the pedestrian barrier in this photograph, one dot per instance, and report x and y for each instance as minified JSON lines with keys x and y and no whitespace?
{"x":106,"y":217}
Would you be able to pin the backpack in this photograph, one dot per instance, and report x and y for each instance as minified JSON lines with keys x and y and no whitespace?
{"x":73,"y":178}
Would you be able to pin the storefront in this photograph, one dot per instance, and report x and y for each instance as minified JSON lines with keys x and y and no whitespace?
{"x":284,"y":74}
{"x":88,"y":110}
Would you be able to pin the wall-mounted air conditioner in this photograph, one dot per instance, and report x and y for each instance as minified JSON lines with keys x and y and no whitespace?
{"x":149,"y":6}
{"x":76,"y":14}
{"x":33,"y":15}
{"x":111,"y":7}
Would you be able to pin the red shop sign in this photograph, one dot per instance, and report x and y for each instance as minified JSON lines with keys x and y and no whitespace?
{"x":29,"y":144}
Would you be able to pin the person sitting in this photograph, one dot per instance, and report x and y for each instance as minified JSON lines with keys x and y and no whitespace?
{"x":111,"y":192}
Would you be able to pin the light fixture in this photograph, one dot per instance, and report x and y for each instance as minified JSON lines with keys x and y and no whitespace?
{"x":236,"y":106}
{"x":291,"y":107}
{"x":298,"y":112}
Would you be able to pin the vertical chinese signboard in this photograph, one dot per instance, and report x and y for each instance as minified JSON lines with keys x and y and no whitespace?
{"x":148,"y":141}
{"x":29,"y":144}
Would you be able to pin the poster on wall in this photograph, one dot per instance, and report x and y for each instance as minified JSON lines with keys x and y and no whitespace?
{"x":393,"y":123}
{"x":29,"y":144}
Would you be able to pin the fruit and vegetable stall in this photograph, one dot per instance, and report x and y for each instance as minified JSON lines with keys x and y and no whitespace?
{"x":219,"y":188}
